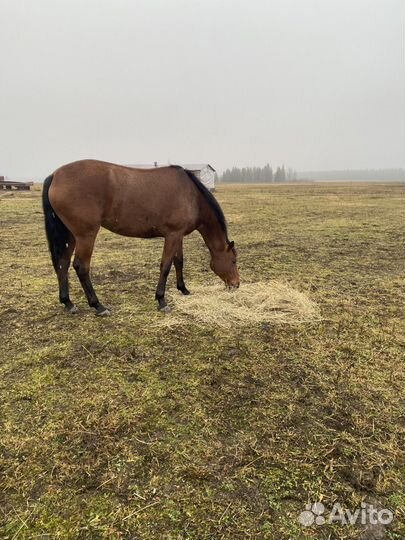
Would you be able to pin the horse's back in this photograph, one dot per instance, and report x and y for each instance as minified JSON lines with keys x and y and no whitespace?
{"x":128,"y":201}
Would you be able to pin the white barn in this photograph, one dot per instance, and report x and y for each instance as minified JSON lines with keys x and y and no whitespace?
{"x":204,"y":171}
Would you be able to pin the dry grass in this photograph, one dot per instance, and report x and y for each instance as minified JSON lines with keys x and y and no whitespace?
{"x":124,"y":428}
{"x":252,"y":303}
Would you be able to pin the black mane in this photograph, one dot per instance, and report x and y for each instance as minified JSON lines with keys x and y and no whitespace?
{"x":211,"y":200}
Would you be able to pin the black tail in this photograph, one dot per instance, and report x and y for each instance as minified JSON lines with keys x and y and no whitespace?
{"x":56,"y":232}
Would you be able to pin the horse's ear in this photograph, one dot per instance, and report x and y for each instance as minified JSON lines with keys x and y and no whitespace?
{"x":231,"y":245}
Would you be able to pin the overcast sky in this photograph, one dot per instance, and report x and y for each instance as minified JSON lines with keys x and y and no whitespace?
{"x":313,"y":84}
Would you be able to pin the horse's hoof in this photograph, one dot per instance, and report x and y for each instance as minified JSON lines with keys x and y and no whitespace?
{"x":186,"y":292}
{"x":165,"y":309}
{"x":103,"y":313}
{"x":72,"y":310}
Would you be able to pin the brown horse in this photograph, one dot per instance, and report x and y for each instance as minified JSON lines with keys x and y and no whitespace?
{"x":168,"y":202}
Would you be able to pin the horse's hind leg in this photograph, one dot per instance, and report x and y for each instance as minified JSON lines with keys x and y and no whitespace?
{"x":62,"y":273}
{"x":178,"y":265}
{"x":81,"y":263}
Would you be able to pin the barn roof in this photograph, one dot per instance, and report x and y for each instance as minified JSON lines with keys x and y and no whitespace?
{"x":189,"y":166}
{"x":197,"y":166}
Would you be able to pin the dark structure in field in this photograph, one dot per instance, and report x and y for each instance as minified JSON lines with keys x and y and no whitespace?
{"x":19,"y":186}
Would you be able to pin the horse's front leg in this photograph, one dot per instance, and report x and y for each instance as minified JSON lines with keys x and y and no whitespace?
{"x":169,"y":250}
{"x":178,"y":264}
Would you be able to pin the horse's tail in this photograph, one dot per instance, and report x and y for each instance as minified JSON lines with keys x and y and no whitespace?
{"x":56,"y":232}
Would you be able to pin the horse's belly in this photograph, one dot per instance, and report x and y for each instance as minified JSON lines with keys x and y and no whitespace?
{"x":142,"y":217}
{"x":133,"y":229}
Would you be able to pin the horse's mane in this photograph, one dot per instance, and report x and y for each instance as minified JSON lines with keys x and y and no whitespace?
{"x":209,"y":197}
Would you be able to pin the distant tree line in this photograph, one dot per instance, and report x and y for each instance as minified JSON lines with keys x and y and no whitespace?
{"x":266,"y":174}
{"x":354,"y":174}
{"x":258,"y":175}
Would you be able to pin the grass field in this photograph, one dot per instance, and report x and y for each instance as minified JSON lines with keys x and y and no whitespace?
{"x":125,"y":428}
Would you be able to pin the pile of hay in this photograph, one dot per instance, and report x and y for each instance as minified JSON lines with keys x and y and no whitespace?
{"x":252,"y":303}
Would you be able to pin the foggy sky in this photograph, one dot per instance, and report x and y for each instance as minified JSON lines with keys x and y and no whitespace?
{"x":313,"y":84}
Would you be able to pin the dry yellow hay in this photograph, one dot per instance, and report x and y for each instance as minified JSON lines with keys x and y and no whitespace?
{"x":252,"y":303}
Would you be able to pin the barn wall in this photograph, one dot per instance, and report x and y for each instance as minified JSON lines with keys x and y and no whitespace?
{"x":207,"y":177}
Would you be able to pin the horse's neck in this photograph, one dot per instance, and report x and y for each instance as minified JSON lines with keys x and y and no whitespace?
{"x":211,"y":231}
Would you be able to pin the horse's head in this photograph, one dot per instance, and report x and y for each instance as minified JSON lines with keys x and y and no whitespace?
{"x":223,"y":263}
